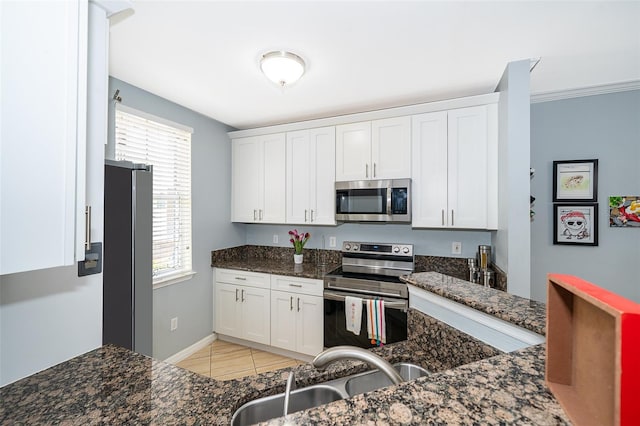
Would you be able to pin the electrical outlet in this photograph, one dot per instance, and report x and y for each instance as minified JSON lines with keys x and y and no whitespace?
{"x":174,"y":324}
{"x":456,"y":247}
{"x":332,"y":241}
{"x":275,"y":238}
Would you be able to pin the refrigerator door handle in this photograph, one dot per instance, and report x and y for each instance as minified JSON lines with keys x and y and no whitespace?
{"x":87,"y":229}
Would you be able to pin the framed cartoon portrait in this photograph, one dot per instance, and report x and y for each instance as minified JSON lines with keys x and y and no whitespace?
{"x":575,"y":224}
{"x":575,"y":181}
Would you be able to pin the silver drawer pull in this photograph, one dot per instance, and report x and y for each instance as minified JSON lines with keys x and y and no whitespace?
{"x":241,"y":278}
{"x":295,"y":285}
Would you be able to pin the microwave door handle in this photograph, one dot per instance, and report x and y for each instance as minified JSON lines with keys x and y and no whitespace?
{"x":389,"y":192}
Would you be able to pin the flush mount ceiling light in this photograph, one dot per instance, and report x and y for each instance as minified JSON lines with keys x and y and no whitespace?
{"x":283,"y":68}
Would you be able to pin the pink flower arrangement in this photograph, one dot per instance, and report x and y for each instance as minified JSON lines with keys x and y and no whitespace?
{"x":299,"y":240}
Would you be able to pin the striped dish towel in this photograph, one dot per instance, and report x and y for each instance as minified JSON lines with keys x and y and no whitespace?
{"x":376,"y":328}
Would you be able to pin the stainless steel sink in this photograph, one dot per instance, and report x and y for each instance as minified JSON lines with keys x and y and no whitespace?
{"x":372,"y":380}
{"x":271,"y":407}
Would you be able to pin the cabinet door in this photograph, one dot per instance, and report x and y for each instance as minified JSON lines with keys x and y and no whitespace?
{"x":310,"y":324}
{"x":273,"y":182}
{"x":429,"y":171}
{"x":255,"y":318}
{"x":391,"y":148}
{"x":43,"y":81}
{"x":323,"y":176}
{"x":283,"y":320}
{"x":247,"y":193}
{"x":227,"y":310}
{"x":467,"y":158}
{"x":299,"y":175}
{"x":353,"y":151}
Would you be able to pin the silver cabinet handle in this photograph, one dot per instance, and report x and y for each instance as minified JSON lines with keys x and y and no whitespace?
{"x":291,"y":303}
{"x":260,"y":214}
{"x":374,"y":169}
{"x":87,"y":230}
{"x":255,"y":212}
{"x":366,"y":170}
{"x":295,"y":285}
{"x":298,"y":304}
{"x":236,"y":294}
{"x":452,"y":217}
{"x":305,"y":215}
{"x":242,"y":294}
{"x":311,"y":215}
{"x":442,"y":217}
{"x":241,"y":278}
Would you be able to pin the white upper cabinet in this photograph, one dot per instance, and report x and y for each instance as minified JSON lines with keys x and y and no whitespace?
{"x":258,"y":179}
{"x":353,"y":151}
{"x":43,"y":121}
{"x":391,"y":148}
{"x":310,"y":177}
{"x":455,"y":168}
{"x":379,"y":149}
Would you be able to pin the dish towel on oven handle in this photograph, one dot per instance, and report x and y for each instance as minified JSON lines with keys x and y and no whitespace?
{"x":376,"y":328}
{"x":353,"y":314}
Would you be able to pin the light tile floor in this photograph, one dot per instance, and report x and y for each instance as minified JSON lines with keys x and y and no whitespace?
{"x":225,"y":361}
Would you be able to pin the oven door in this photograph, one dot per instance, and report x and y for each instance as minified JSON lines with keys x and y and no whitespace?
{"x":335,"y":323}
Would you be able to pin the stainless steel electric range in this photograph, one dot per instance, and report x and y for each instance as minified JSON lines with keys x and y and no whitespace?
{"x":368,"y":271}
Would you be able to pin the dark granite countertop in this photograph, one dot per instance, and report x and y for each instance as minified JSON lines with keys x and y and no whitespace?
{"x":523,"y":312}
{"x":278,"y":267}
{"x":111,"y":385}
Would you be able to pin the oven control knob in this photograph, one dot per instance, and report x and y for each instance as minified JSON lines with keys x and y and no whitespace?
{"x":396,"y":249}
{"x":347,"y":246}
{"x":355,"y":247}
{"x":405,"y":250}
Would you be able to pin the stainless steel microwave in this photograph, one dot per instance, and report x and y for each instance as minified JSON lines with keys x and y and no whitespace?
{"x":374,"y":201}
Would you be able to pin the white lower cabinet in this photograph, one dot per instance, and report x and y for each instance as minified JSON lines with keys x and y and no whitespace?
{"x":242,"y":311}
{"x":276,"y":310}
{"x":296,"y":322}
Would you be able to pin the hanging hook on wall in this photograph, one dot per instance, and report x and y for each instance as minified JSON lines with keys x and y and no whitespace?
{"x":116,"y":96}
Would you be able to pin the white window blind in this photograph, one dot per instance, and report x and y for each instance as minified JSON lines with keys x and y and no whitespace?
{"x":142,"y":138}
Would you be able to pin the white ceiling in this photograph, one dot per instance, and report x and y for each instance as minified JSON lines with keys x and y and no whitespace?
{"x":365,"y":55}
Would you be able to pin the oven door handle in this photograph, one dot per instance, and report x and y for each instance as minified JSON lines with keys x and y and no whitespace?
{"x":388,"y":303}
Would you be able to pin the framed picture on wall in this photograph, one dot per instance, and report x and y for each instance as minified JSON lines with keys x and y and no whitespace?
{"x":575,"y":224}
{"x":575,"y":180}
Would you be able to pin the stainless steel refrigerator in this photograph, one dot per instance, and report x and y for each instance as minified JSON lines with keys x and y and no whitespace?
{"x":127,"y":268}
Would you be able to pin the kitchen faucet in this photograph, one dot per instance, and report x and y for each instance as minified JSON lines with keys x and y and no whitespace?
{"x":291,"y":385}
{"x":352,"y":352}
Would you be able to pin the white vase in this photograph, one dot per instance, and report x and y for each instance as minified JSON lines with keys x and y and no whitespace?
{"x":297,"y":258}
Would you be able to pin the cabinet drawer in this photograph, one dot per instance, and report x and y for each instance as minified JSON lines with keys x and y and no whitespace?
{"x":297,"y":285}
{"x":249,"y":279}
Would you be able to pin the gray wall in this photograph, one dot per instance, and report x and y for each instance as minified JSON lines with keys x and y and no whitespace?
{"x":606,"y":127}
{"x":426,"y":242}
{"x":192,"y":300}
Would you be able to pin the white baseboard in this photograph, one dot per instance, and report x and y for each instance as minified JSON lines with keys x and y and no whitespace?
{"x":187,"y":352}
